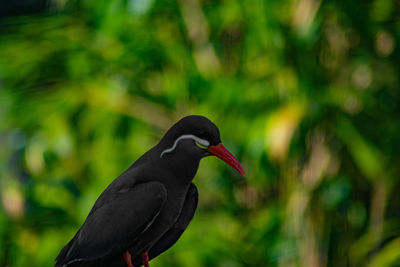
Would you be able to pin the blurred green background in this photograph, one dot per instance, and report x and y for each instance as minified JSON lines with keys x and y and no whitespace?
{"x":305,"y":93}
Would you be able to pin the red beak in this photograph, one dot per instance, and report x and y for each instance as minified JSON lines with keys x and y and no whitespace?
{"x":221,"y":152}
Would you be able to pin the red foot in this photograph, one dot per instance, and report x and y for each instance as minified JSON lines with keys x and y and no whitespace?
{"x":128,"y":259}
{"x":145,"y":259}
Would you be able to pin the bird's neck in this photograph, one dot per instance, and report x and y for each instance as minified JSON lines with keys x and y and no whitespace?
{"x":181,"y":169}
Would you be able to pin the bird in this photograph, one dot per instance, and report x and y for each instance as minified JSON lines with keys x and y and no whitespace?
{"x":145,"y":210}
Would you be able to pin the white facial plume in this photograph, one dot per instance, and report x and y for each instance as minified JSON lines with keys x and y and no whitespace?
{"x":185,"y":136}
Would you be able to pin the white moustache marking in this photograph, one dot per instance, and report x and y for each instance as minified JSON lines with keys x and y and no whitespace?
{"x":185,"y":136}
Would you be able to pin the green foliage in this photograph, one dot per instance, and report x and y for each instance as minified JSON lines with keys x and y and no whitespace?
{"x":305,"y":93}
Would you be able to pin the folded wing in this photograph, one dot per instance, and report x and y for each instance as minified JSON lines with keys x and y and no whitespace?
{"x":112,"y":227}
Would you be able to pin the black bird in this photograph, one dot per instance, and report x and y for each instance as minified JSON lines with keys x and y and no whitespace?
{"x":145,"y":210}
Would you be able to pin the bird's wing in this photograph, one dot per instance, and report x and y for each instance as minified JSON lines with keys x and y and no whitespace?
{"x":173,"y":234}
{"x":114,"y":223}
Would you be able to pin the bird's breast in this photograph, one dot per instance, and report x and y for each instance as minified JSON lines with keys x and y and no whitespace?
{"x":172,"y":208}
{"x":165,"y":220}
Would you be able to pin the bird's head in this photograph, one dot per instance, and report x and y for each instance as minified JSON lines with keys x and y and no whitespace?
{"x":195,"y":137}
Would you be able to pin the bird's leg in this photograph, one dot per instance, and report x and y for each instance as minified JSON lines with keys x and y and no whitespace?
{"x":128,"y":259}
{"x":145,"y":259}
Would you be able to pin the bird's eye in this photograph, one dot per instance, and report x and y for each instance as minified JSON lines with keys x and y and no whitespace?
{"x":201,"y":146}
